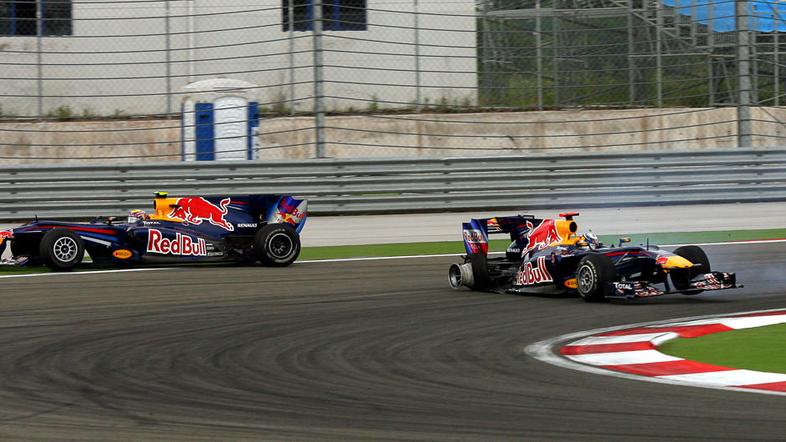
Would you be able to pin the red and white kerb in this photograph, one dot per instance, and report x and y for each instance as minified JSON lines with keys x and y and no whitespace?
{"x":634,"y":351}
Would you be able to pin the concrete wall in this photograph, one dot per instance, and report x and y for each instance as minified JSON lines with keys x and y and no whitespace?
{"x":423,"y":134}
{"x":120,"y":61}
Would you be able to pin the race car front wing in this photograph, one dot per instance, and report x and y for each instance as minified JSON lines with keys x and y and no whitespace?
{"x":642,"y":289}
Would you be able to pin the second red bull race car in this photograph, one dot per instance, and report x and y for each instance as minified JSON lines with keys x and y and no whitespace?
{"x":548,"y":256}
{"x":239,"y":228}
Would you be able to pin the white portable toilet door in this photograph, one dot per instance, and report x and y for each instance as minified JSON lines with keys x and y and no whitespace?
{"x":231,"y":132}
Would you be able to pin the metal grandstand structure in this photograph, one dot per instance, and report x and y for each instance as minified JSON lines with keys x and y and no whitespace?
{"x":628,"y":53}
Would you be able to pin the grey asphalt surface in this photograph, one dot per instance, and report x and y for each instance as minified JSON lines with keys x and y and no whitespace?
{"x":342,"y":351}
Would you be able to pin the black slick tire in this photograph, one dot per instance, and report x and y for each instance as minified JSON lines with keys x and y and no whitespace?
{"x":681,"y":278}
{"x":480,"y":272}
{"x":277,"y":245}
{"x":61,"y":249}
{"x":593,"y":275}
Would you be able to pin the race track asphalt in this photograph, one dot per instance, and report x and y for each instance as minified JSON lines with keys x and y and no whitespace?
{"x":339,"y":351}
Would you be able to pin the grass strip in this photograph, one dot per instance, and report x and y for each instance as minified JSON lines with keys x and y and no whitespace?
{"x":446,"y":247}
{"x":758,"y":348}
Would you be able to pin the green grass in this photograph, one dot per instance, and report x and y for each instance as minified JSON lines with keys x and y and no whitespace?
{"x":457,"y":246}
{"x":760,"y":348}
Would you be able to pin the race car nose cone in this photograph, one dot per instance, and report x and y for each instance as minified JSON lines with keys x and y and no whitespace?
{"x":676,"y":262}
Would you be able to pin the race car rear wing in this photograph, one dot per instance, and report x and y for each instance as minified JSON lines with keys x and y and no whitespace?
{"x":525,"y":230}
{"x":476,"y":231}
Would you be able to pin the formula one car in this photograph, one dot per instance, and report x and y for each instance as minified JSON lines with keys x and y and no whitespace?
{"x":547,"y":256}
{"x":240,"y":228}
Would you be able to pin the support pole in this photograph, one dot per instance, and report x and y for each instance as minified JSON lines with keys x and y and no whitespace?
{"x":659,"y":54}
{"x":168,"y":43}
{"x":631,"y":56}
{"x":418,"y":93}
{"x":39,"y":32}
{"x":319,"y":94}
{"x":744,"y":133}
{"x":291,"y":24}
{"x":539,"y":49}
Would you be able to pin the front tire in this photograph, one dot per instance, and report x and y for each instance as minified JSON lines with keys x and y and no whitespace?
{"x":61,"y":249}
{"x":277,"y":245}
{"x":681,"y":278}
{"x":593,"y":276}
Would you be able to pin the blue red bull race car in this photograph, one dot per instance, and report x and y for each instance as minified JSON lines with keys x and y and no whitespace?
{"x":548,"y":256}
{"x":239,"y":228}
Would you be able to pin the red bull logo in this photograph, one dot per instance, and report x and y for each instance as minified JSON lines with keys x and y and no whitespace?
{"x":541,"y":235}
{"x":195,"y":210}
{"x":182,"y":245}
{"x":289,"y":210}
{"x":532,"y":275}
{"x":6,"y":234}
{"x":475,"y":241}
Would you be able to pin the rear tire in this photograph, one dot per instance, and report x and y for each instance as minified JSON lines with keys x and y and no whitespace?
{"x":480,"y":272}
{"x":61,"y":249}
{"x":681,"y":278}
{"x":593,"y":276}
{"x":277,"y":245}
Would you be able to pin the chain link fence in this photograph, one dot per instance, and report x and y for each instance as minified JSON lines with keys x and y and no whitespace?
{"x":123,"y":81}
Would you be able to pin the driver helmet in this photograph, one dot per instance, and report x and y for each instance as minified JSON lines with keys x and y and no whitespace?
{"x":591,"y":239}
{"x":137,"y":215}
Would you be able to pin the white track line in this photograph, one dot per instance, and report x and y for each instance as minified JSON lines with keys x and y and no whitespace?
{"x":544,"y":352}
{"x":90,"y":272}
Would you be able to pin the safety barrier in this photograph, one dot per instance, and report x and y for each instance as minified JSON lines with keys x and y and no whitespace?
{"x":408,"y":185}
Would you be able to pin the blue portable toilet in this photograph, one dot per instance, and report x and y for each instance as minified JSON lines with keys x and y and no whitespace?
{"x":218,"y":120}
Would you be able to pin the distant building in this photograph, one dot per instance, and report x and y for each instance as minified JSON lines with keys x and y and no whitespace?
{"x":134,"y":58}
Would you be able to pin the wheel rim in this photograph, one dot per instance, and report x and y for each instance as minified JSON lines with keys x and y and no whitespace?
{"x":280,"y":245}
{"x":454,"y":276}
{"x":586,"y":279}
{"x":65,"y":249}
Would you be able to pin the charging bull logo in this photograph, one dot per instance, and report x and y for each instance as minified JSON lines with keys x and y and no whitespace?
{"x":542,"y":235}
{"x":290,"y":211}
{"x":197,"y":209}
{"x":183,"y":245}
{"x":533,"y":275}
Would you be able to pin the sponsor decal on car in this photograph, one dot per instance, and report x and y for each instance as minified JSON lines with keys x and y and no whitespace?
{"x":542,"y":235}
{"x":195,"y":210}
{"x":183,"y":245}
{"x":6,"y":234}
{"x":247,"y":225}
{"x":122,"y":254}
{"x":532,"y":275}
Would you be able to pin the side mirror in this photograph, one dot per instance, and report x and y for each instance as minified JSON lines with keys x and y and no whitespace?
{"x":624,"y":241}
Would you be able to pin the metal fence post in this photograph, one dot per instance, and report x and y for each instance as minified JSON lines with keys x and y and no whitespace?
{"x":744,"y":136}
{"x":168,"y":43}
{"x":39,"y":32}
{"x":319,"y":108}
{"x":291,"y":25}
{"x":418,"y":105}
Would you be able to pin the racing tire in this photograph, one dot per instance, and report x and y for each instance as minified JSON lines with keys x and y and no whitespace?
{"x":277,"y":245}
{"x":593,"y":276}
{"x":681,"y":278}
{"x":61,"y":249}
{"x":480,"y":272}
